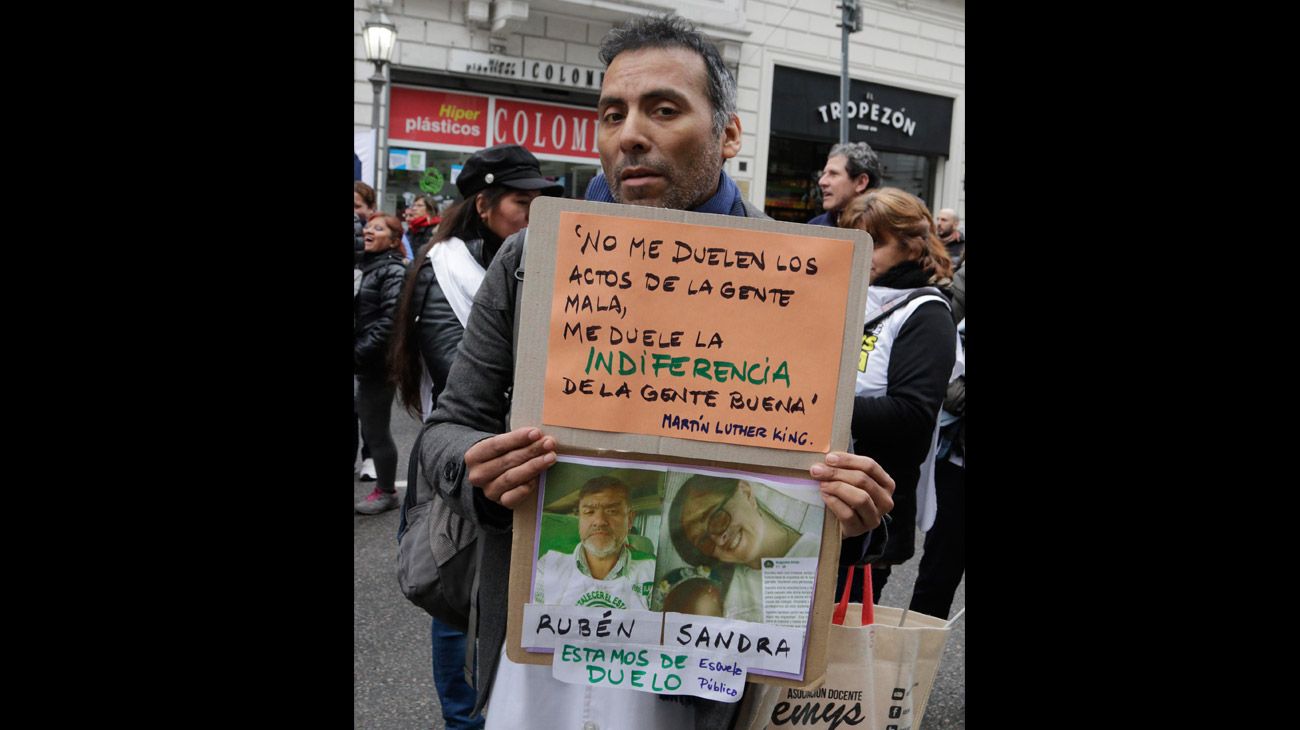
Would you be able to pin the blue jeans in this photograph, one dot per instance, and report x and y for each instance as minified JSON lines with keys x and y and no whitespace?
{"x":456,"y":696}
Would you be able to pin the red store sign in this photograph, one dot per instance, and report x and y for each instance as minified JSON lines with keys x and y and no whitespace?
{"x":441,"y":117}
{"x":545,"y":128}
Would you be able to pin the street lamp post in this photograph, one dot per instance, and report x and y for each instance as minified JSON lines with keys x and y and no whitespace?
{"x":380,"y":36}
{"x":850,"y":22}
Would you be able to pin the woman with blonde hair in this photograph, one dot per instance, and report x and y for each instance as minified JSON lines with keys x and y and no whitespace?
{"x":909,"y":353}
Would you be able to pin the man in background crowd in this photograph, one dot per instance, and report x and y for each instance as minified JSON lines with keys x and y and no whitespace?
{"x":952,"y":237}
{"x":851,"y":170}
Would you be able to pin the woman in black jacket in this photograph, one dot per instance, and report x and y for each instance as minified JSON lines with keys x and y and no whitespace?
{"x":909,"y":349}
{"x":498,"y":185}
{"x":382,"y":269}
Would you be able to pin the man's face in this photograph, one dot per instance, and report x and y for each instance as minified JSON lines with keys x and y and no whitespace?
{"x":655,"y":134}
{"x":603,"y":522}
{"x":359,"y":206}
{"x":837,"y":187}
{"x":945,"y":222}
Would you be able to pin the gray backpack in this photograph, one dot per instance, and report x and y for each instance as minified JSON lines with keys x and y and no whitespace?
{"x":437,"y":550}
{"x":437,"y":555}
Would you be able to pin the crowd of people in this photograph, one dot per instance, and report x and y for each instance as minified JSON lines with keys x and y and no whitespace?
{"x":434,"y":324}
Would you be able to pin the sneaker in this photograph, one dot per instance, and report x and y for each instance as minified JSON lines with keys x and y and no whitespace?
{"x":368,"y":470}
{"x":377,"y":502}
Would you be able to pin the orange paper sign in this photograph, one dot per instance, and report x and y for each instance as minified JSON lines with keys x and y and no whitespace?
{"x":697,"y":332}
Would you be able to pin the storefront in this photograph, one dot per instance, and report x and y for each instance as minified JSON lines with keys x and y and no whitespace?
{"x":910,"y":131}
{"x":432,"y":131}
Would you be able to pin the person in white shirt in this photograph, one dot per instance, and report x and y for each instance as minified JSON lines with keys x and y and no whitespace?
{"x":600,"y":572}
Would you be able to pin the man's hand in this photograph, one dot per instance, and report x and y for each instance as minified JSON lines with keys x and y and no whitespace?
{"x":506,"y":466}
{"x":856,"y":490}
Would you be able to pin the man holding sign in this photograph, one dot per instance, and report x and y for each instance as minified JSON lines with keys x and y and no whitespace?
{"x":666,"y":124}
{"x":601,"y":571}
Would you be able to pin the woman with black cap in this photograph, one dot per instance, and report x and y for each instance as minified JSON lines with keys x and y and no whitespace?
{"x":498,"y":185}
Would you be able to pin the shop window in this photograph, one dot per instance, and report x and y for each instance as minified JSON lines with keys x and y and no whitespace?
{"x":414,"y":172}
{"x":793,"y":166}
{"x":912,"y":173}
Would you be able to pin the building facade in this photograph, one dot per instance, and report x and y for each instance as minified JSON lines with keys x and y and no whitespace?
{"x":466,"y":74}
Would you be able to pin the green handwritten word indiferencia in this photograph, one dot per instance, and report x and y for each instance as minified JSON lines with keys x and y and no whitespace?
{"x":757,"y":373}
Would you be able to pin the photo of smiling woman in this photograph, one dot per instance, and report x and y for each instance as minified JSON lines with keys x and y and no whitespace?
{"x":727,"y":529}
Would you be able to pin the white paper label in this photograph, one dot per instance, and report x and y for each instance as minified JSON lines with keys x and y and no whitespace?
{"x":759,"y":646}
{"x":546,"y":626}
{"x":656,"y":669}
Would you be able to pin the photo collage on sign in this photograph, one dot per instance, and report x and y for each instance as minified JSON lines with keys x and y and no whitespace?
{"x":662,"y":537}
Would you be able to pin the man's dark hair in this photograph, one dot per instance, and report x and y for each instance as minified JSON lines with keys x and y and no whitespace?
{"x":602,"y":483}
{"x":366,"y":192}
{"x":673,"y":31}
{"x":430,"y":202}
{"x":859,"y":159}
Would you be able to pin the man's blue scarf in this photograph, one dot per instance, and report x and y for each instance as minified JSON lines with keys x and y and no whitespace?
{"x":726,"y":201}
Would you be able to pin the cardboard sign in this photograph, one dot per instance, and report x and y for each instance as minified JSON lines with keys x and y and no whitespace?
{"x":753,"y":371}
{"x":709,"y":337}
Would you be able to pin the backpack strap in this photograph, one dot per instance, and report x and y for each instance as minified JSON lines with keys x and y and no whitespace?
{"x":470,"y":667}
{"x":924,"y":291}
{"x":412,"y":486}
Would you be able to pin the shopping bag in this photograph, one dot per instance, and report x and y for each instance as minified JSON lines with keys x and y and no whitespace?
{"x":881,"y":666}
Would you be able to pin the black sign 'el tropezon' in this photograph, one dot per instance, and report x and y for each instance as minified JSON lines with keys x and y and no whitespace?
{"x":883,"y":116}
